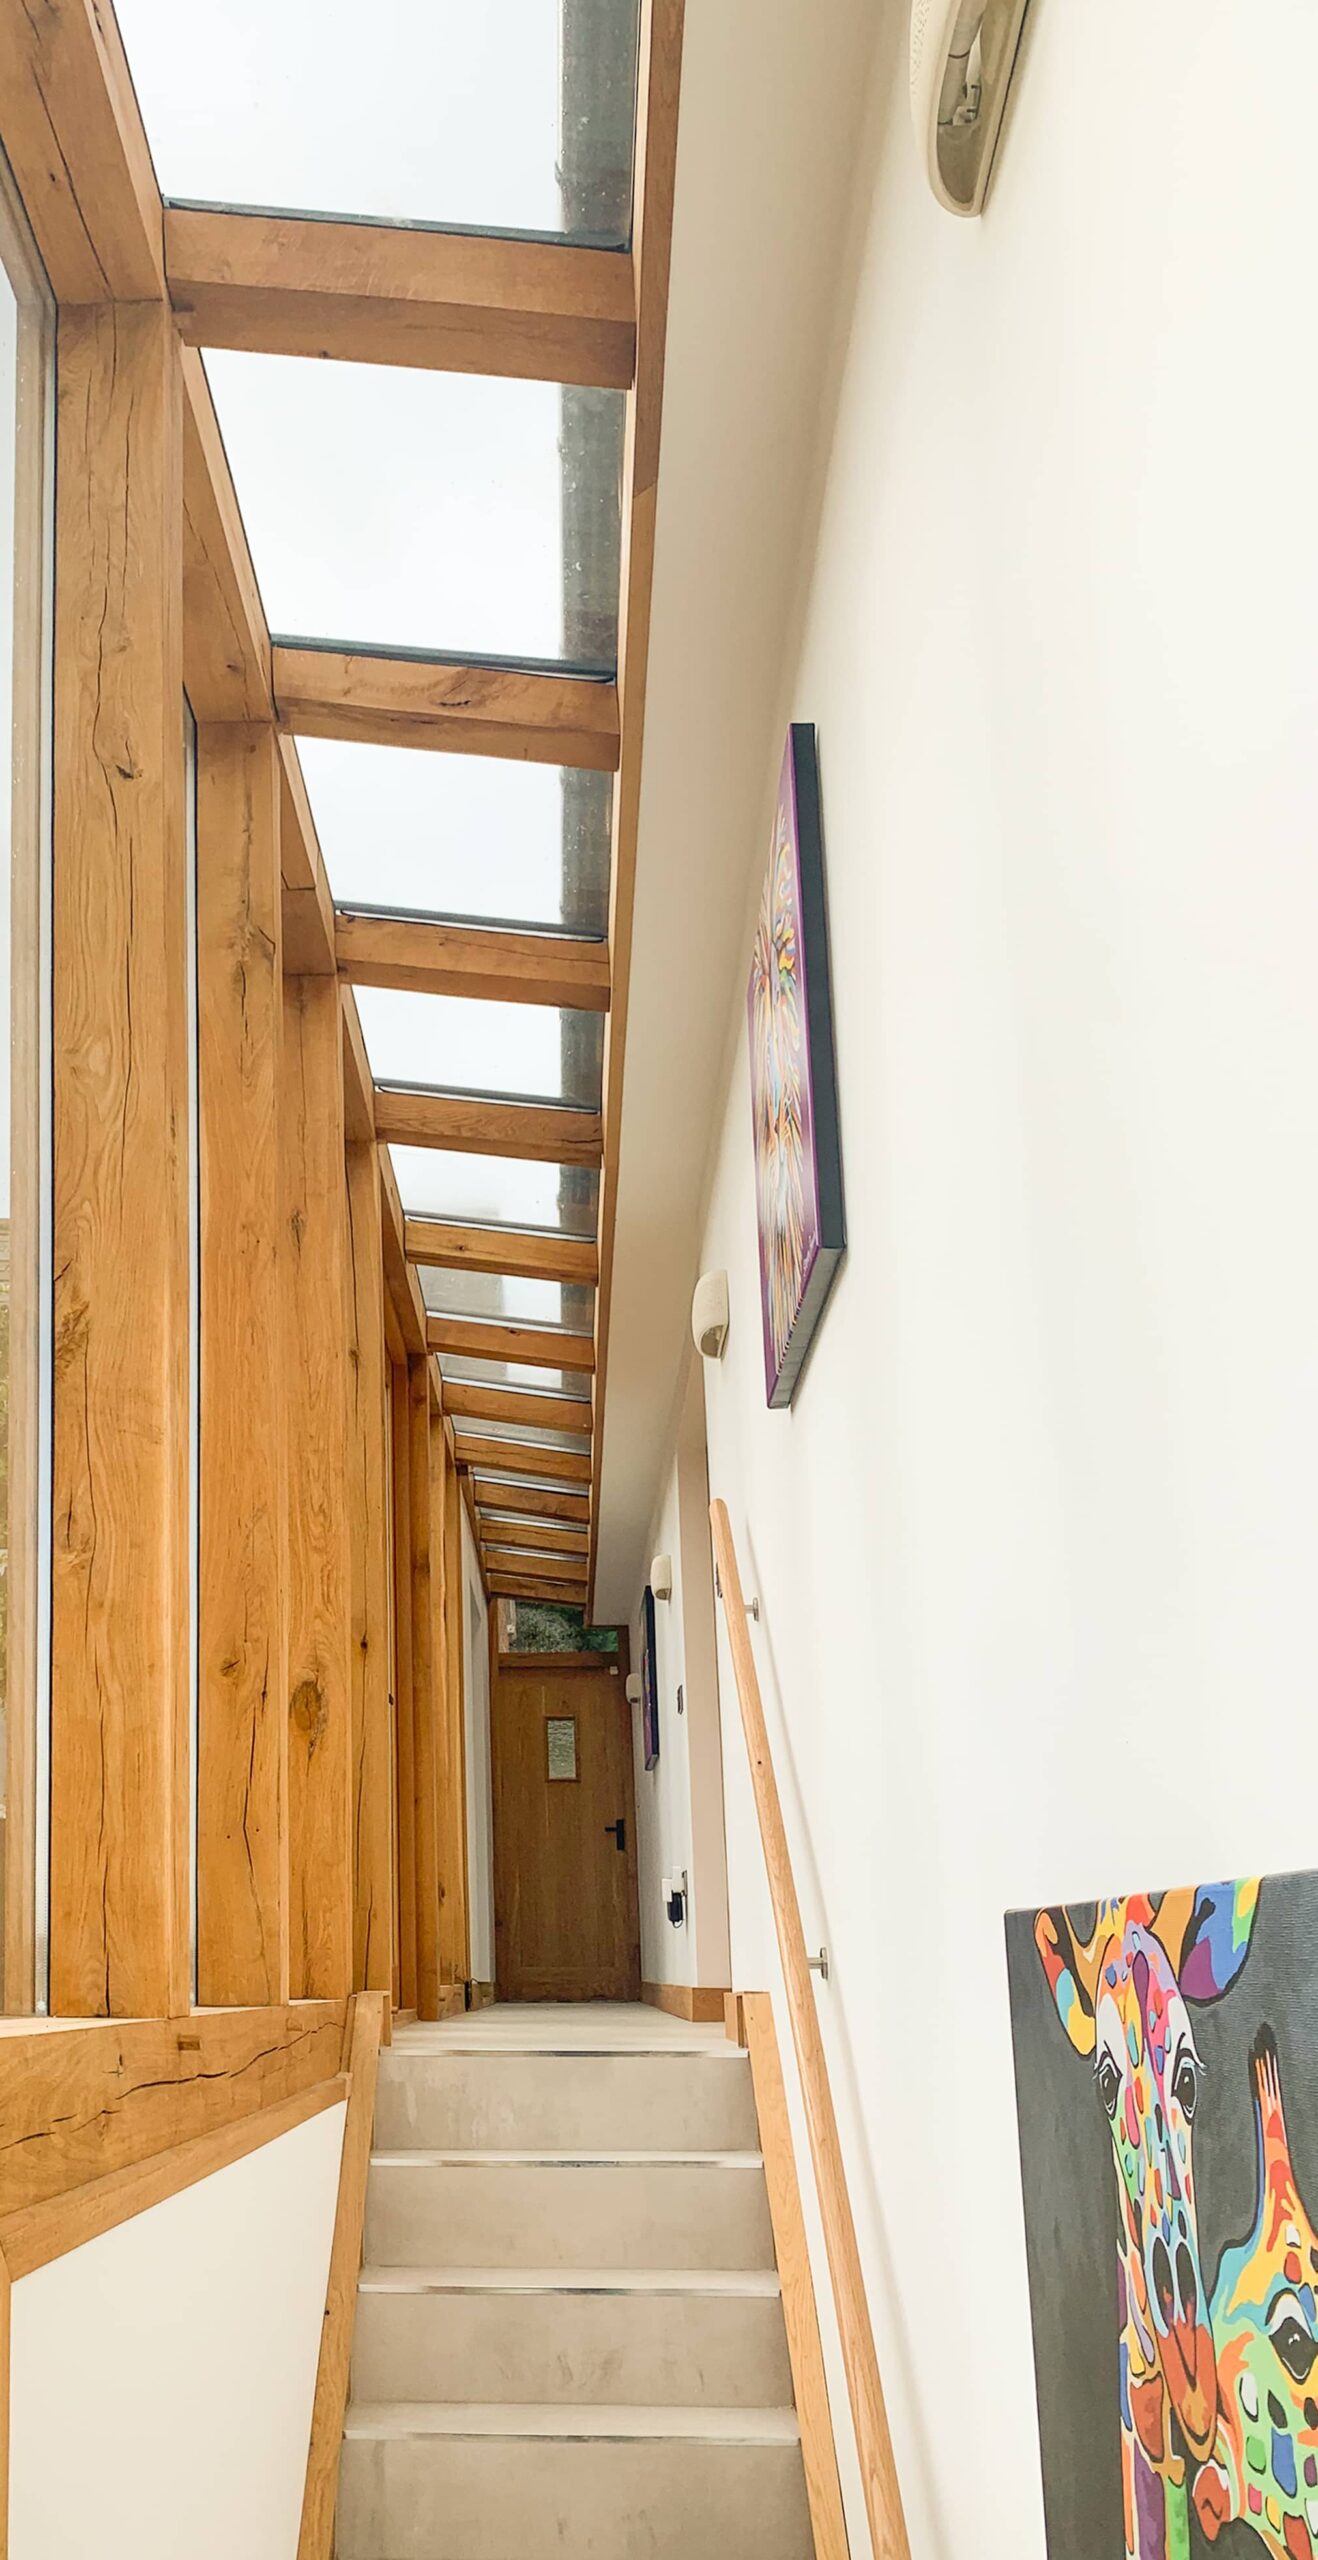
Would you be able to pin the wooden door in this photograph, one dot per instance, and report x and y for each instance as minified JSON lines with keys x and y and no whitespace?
{"x":566,"y":1924}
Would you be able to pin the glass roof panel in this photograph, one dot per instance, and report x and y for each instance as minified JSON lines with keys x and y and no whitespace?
{"x":484,"y":513}
{"x":515,"y":115}
{"x":516,"y":1373}
{"x":466,"y":1044}
{"x":496,"y":1191}
{"x":505,"y":1300}
{"x":477,"y":836}
{"x":533,"y":1433}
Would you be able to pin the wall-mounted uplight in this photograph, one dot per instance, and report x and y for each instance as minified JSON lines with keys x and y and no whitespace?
{"x":661,"y":1577}
{"x":709,"y":1314}
{"x":963,"y":53}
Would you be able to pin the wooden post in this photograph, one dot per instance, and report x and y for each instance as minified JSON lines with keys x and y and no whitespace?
{"x":457,"y":1936}
{"x":119,"y":1633}
{"x":368,"y":1444}
{"x":242,"y":1774}
{"x":405,"y":1756}
{"x":319,"y":1566}
{"x":425,"y":1689}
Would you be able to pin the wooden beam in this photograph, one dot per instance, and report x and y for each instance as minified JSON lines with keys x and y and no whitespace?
{"x":467,"y":710}
{"x":445,"y":959}
{"x":545,"y":1568}
{"x":81,"y":2102}
{"x":405,"y":1754}
{"x":308,"y":906}
{"x":373,"y":293}
{"x":427,"y":1689}
{"x":242,"y":1775}
{"x":536,"y":1588}
{"x":502,"y":1251}
{"x":532,"y":1501}
{"x":368,"y":1480}
{"x":659,"y":91}
{"x":120,"y":1616}
{"x":73,"y":137}
{"x":520,"y":1457}
{"x":358,"y":1088}
{"x":361,"y":2057}
{"x":319,"y":1573}
{"x":511,"y":1404}
{"x":538,"y":1347}
{"x":546,"y":1535}
{"x":226,"y":646}
{"x":454,"y":1936}
{"x":399,"y":1277}
{"x":537,"y":1132}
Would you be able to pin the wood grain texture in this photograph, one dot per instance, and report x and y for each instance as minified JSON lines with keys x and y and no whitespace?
{"x":566,"y":1919}
{"x":315,"y":1344}
{"x":446,"y":959}
{"x":369,"y":293}
{"x":81,"y":2102}
{"x":691,"y":2001}
{"x":882,"y":2490}
{"x":316,"y":2537}
{"x":522,"y":1458}
{"x":538,"y":1132}
{"x":358,"y":1089}
{"x":528,"y":1585}
{"x":507,"y":1250}
{"x":470,"y":1402}
{"x":455,"y":1948}
{"x":547,"y":1535}
{"x":5,"y":2380}
{"x":540,"y":1347}
{"x":659,"y":93}
{"x":427,"y":1689}
{"x":400,"y":1412}
{"x":242,"y":1774}
{"x":470,"y":711}
{"x":38,"y":2233}
{"x":119,"y":1636}
{"x":74,"y":140}
{"x":400,"y":1279}
{"x":501,"y":1558}
{"x":800,"y":2311}
{"x":370,"y":1631}
{"x":534,"y":1501}
{"x":226,"y":646}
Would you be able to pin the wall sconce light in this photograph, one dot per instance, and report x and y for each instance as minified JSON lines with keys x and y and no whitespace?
{"x":634,"y":1689}
{"x":963,"y":53}
{"x":661,"y":1577}
{"x":709,"y":1314}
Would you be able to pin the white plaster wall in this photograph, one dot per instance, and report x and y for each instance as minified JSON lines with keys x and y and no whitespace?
{"x":480,"y":1798}
{"x":163,"y":2375}
{"x":663,"y":1794}
{"x":1035,"y":1549}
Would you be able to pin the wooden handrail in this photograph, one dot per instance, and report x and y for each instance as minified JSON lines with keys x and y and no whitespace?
{"x":883,"y":2497}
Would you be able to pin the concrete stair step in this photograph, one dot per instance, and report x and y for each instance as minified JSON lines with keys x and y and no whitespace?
{"x":662,"y":2337}
{"x":500,"y":2101}
{"x":559,"y":2209}
{"x":530,"y":2482}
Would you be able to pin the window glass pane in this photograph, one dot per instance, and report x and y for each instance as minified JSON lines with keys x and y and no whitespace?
{"x":483,"y":515}
{"x":516,"y":1373}
{"x":496,"y":1191}
{"x":547,"y":1626}
{"x":514,"y":115}
{"x":26,"y":387}
{"x":478,"y":836}
{"x":507,"y":1301}
{"x":465,"y":1045}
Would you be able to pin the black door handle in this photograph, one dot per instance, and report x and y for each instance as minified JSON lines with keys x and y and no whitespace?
{"x":619,"y":1830}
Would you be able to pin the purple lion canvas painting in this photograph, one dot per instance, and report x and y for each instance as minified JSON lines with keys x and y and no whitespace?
{"x":1167,"y":2073}
{"x":794,"y":1112}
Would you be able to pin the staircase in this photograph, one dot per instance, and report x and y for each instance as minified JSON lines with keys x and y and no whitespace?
{"x":569,"y":2341}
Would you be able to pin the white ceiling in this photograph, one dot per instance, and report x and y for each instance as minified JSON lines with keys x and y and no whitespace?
{"x":773,"y":100}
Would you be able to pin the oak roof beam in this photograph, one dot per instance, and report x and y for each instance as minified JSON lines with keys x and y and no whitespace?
{"x":536,"y":715}
{"x":532,"y":1502}
{"x":474,"y":1124}
{"x":438,"y":957}
{"x":74,"y":139}
{"x":522,"y":1458}
{"x":538,"y":1346}
{"x":379,"y":293}
{"x":507,"y":1586}
{"x":505,"y":1252}
{"x":546,"y":1567}
{"x":548,"y":1536}
{"x":466,"y":1400}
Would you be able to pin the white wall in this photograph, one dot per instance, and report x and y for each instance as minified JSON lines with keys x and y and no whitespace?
{"x":163,"y":2375}
{"x":480,"y":1799}
{"x":663,"y":1794}
{"x":1036,"y":1546}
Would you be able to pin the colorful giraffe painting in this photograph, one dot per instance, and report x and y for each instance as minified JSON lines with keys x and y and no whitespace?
{"x":1263,"y":2468}
{"x":1124,"y":1995}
